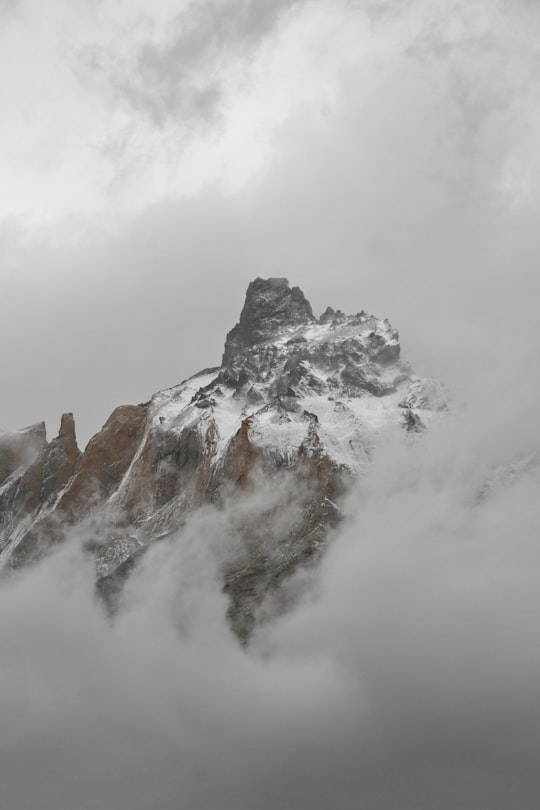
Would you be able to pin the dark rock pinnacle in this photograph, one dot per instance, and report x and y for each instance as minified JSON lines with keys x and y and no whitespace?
{"x":271,"y":305}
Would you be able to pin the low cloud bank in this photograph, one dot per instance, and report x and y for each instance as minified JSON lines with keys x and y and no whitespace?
{"x":408,"y":676}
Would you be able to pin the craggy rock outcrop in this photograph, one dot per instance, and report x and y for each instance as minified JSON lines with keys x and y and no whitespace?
{"x":292,"y":414}
{"x":63,"y":484}
{"x":270,"y":306}
{"x":105,"y":461}
{"x":20,"y":449}
{"x":32,"y":491}
{"x":60,"y":459}
{"x":312,"y":511}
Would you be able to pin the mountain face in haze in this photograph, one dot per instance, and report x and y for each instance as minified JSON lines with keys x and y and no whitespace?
{"x":286,"y":421}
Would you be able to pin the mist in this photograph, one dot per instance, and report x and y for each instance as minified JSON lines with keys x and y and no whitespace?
{"x":381,"y":156}
{"x":404,"y":675}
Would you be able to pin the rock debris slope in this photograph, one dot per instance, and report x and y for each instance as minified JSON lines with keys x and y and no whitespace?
{"x":294,"y":410}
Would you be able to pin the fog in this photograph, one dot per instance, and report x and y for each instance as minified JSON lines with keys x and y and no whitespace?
{"x":382,"y":156}
{"x":407,"y":676}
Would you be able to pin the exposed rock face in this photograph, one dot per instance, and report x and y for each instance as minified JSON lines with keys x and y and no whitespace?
{"x":279,"y":349}
{"x":105,"y":460}
{"x":296,"y":400}
{"x":270,"y":307}
{"x":20,"y":449}
{"x":66,"y":485}
{"x":32,"y":490}
{"x":60,"y":459}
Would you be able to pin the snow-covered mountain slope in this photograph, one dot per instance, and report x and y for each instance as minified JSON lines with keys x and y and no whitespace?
{"x":296,"y":399}
{"x":337,"y":381}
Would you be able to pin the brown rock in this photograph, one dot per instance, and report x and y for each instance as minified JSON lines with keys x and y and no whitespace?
{"x":241,"y":457}
{"x":20,"y":449}
{"x":37,"y":487}
{"x":105,"y":460}
{"x":60,"y":459}
{"x":88,"y":479}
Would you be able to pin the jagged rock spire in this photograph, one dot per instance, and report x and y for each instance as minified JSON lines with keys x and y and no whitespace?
{"x":271,"y":305}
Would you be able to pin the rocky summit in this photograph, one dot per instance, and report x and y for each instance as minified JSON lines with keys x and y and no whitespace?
{"x":288,"y":420}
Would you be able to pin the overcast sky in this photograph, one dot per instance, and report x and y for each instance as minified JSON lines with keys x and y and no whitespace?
{"x":155,"y":157}
{"x":382,"y":154}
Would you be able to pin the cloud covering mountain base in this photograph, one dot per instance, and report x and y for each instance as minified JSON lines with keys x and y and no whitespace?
{"x":383,"y":153}
{"x":406,"y":677}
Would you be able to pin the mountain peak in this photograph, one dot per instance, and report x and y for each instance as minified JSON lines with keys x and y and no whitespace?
{"x":271,"y":306}
{"x":306,"y":397}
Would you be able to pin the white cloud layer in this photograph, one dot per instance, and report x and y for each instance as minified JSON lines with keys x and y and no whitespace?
{"x":408,"y":676}
{"x":112,"y":106}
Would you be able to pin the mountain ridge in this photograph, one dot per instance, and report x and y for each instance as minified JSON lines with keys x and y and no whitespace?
{"x":294,"y":396}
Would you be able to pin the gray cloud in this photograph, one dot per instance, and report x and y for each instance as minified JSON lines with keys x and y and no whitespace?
{"x":408,"y":198}
{"x":8,"y":6}
{"x":182,"y":74}
{"x":408,"y":677}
